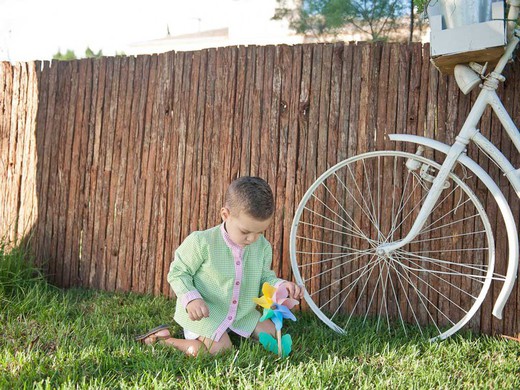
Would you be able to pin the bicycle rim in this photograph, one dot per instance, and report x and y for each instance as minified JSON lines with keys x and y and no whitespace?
{"x":438,"y":280}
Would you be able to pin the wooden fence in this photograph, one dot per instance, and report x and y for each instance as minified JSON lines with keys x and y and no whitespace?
{"x":108,"y":164}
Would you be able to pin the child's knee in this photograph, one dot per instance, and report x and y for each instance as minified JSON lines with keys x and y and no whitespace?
{"x":216,"y":347}
{"x":195,"y":348}
{"x":265,"y":327}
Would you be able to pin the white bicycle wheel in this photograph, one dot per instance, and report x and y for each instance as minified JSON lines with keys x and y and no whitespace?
{"x":439,"y":279}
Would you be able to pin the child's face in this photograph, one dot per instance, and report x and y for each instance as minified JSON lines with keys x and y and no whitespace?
{"x":242,"y":228}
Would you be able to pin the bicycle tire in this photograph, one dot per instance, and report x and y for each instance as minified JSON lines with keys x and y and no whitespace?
{"x":440,"y":279}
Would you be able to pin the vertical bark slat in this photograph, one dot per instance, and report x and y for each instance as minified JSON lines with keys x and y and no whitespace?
{"x":274,"y":234}
{"x":12,"y":177}
{"x":172,"y":201}
{"x":265,"y":141}
{"x":189,"y":98}
{"x":355,"y":90}
{"x":345,"y":149}
{"x":122,"y":131}
{"x":322,"y":153}
{"x":151,"y":176}
{"x":126,"y":266}
{"x":161,"y":164}
{"x":145,"y":197}
{"x":53,"y":190}
{"x":303,"y":126}
{"x":281,"y":218}
{"x":311,"y":161}
{"x":90,"y":172}
{"x":111,"y":171}
{"x":67,"y":197}
{"x":290,"y":202}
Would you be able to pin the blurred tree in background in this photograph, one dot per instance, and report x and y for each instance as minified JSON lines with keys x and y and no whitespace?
{"x":70,"y":55}
{"x":330,"y":18}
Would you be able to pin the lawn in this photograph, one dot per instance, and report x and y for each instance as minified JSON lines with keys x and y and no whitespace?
{"x":68,"y":339}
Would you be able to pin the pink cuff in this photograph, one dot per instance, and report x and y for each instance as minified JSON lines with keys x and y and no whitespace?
{"x":190,"y":296}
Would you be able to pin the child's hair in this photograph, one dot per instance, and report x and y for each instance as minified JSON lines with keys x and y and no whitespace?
{"x":251,"y":195}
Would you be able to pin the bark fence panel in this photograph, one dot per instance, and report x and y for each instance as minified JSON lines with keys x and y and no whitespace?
{"x":106,"y":165}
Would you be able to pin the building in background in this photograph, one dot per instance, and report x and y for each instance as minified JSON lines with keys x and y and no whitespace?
{"x":249,"y":22}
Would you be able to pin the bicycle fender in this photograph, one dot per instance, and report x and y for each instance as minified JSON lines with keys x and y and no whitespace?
{"x":512,"y":233}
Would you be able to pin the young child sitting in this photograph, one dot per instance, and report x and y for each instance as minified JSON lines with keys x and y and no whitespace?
{"x":216,"y":273}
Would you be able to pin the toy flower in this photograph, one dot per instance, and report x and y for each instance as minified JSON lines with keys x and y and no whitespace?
{"x":273,"y":295}
{"x":277,"y":315}
{"x":277,"y":305}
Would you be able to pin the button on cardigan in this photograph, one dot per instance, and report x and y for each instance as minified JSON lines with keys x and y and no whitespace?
{"x":210,"y":266}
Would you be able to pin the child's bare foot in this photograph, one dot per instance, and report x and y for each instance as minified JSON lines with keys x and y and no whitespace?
{"x":156,"y":334}
{"x":159,"y":336}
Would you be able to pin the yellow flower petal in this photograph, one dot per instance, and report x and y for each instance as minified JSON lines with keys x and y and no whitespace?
{"x":264,"y":302}
{"x":268,"y":290}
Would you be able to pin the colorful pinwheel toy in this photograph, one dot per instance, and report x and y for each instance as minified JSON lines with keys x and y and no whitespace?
{"x":277,"y":306}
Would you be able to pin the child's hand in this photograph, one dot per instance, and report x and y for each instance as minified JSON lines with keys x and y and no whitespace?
{"x":295,"y":291}
{"x":197,"y":310}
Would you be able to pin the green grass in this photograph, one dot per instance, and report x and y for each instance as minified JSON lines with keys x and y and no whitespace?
{"x":55,"y":339}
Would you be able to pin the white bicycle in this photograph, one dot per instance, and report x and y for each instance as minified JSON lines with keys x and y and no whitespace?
{"x":392,"y":236}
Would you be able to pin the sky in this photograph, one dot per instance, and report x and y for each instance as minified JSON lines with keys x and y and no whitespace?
{"x":37,"y":29}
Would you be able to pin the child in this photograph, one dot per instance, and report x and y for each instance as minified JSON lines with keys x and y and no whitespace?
{"x":216,"y":274}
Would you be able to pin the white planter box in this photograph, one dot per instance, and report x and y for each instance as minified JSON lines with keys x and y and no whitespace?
{"x":479,"y":42}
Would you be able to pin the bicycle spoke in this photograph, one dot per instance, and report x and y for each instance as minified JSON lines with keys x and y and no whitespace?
{"x":423,"y":297}
{"x":481,"y":268}
{"x":366,"y":208}
{"x":436,"y":274}
{"x":344,"y":233}
{"x":358,"y":254}
{"x":327,"y":243}
{"x":402,"y":207}
{"x":443,"y":217}
{"x":373,"y":294}
{"x":445,"y":281}
{"x":403,"y":289}
{"x":379,"y":210}
{"x":331,"y":269}
{"x":352,"y":285}
{"x":420,"y":203}
{"x":449,"y":224}
{"x":451,"y":250}
{"x":375,"y":220}
{"x":361,"y":294}
{"x":384,"y":302}
{"x":370,"y":217}
{"x":419,"y":294}
{"x":442,"y":238}
{"x":356,"y":228}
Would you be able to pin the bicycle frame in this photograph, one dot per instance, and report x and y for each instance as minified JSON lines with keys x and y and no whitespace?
{"x":456,"y":154}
